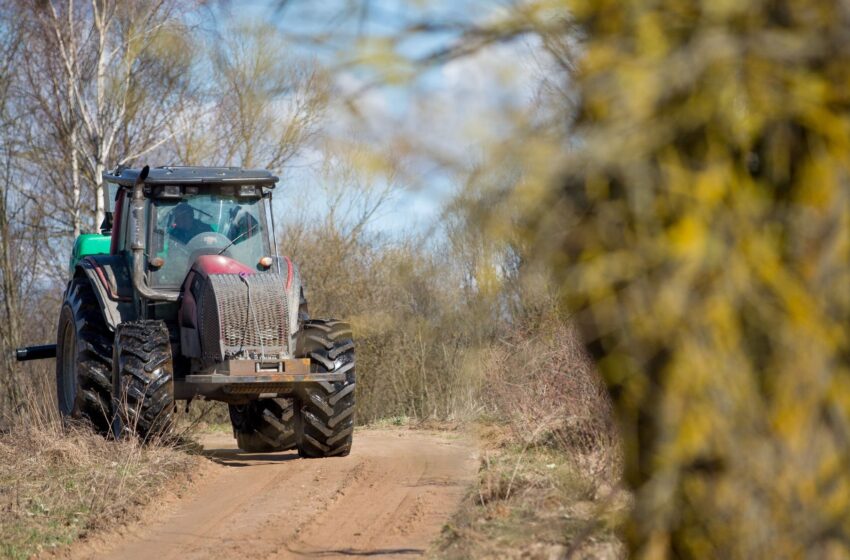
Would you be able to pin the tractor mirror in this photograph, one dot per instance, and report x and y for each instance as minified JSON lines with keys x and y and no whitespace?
{"x":106,"y":224}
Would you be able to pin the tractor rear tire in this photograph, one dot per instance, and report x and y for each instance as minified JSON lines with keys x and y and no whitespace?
{"x":325,"y":423}
{"x":264,"y":426}
{"x":84,"y":359}
{"x":143,"y":379}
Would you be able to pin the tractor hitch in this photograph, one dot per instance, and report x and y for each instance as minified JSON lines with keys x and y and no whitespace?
{"x":35,"y":352}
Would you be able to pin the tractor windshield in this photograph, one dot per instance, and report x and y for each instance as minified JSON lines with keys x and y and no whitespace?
{"x":206,"y":224}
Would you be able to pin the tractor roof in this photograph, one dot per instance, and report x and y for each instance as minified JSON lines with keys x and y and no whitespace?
{"x":178,"y":175}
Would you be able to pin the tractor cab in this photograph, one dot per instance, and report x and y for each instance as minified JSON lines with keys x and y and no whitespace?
{"x":188,"y":212}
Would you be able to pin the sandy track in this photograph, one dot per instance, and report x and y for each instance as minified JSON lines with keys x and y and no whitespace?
{"x":389,"y":498}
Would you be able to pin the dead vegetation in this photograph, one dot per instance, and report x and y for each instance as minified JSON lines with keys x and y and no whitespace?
{"x":549,"y":480}
{"x":543,"y":384}
{"x":60,"y":483}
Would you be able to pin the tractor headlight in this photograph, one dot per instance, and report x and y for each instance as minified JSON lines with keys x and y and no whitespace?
{"x":247,"y":190}
{"x":171,"y":191}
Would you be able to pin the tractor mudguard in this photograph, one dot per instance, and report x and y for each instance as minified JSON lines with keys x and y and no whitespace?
{"x":110,"y":279}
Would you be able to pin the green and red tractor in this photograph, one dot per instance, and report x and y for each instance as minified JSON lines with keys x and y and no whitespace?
{"x":183,"y":296}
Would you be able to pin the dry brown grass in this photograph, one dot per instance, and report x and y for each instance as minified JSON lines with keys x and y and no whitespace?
{"x":549,"y":481}
{"x":543,"y":385}
{"x":59,"y":483}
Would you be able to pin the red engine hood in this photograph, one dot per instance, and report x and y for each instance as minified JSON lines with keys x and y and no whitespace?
{"x":219,"y":264}
{"x":203,"y":267}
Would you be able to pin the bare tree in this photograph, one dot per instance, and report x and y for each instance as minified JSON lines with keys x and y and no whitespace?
{"x":22,"y":231}
{"x":105,"y":77}
{"x":266,"y":105}
{"x":10,"y":327}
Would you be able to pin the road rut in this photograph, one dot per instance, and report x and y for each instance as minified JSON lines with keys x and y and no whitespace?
{"x":389,"y":498}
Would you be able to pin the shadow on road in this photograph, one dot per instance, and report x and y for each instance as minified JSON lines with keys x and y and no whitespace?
{"x":237,"y":458}
{"x":353,"y":552}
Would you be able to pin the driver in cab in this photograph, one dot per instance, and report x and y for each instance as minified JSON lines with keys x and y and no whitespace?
{"x":184,"y":225}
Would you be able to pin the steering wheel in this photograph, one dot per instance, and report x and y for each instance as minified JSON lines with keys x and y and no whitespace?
{"x":207,"y":240}
{"x":204,"y":243}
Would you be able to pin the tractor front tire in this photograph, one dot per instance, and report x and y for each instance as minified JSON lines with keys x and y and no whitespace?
{"x":83,"y":359}
{"x":325,"y":423}
{"x":264,"y":426}
{"x":143,"y":378}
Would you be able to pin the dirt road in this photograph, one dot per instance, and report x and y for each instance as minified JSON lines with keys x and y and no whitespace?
{"x":389,"y":498}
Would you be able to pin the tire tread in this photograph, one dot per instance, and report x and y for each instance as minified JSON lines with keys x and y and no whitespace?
{"x":93,"y":400}
{"x":144,"y":378}
{"x":326,"y":418}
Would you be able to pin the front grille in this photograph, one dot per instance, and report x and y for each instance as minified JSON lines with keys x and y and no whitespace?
{"x":243,"y":316}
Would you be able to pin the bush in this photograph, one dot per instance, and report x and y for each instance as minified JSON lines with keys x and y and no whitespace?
{"x":543,"y":383}
{"x":411,"y":325}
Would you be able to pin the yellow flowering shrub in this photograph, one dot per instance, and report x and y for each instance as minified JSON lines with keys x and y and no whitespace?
{"x":700,"y":233}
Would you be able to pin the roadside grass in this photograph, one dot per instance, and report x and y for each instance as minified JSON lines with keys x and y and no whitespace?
{"x":535,"y":502}
{"x":392,"y":422}
{"x":202,"y":413}
{"x":212,"y":428}
{"x":549,"y":476}
{"x":60,"y":483}
{"x":548,"y":484}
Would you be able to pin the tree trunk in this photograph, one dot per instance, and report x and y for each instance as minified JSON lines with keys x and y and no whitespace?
{"x":101,"y":22}
{"x":75,"y":184}
{"x":11,"y":331}
{"x":98,"y":193}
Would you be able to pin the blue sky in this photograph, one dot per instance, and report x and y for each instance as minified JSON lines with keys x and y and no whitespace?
{"x":451,"y":111}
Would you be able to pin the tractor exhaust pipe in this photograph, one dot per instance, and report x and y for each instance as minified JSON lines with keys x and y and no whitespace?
{"x":137,"y":237}
{"x":35,"y":352}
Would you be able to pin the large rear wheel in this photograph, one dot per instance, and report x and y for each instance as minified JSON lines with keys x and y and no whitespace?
{"x":264,"y":425}
{"x":143,"y":379}
{"x":84,"y":358}
{"x":325,"y":423}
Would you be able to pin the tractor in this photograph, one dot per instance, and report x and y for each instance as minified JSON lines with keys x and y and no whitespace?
{"x":183,"y":296}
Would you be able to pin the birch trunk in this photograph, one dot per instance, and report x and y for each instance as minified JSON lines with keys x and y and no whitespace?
{"x":75,"y":184}
{"x":101,"y":22}
{"x":98,"y":192}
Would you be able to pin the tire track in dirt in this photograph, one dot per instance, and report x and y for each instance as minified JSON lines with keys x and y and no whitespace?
{"x":389,"y":498}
